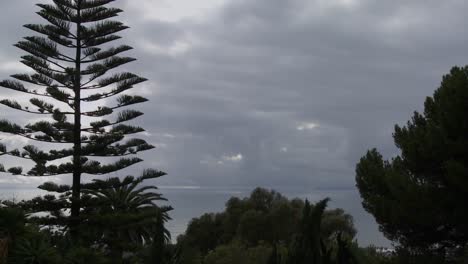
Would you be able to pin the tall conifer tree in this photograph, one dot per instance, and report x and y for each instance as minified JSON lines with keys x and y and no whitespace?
{"x":71,"y":57}
{"x":419,"y":197}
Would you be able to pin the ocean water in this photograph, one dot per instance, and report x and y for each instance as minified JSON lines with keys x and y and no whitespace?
{"x":193,"y":201}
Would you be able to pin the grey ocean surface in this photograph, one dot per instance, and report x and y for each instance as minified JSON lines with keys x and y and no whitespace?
{"x":193,"y":201}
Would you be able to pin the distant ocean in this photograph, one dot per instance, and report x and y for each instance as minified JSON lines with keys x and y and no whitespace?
{"x":193,"y":201}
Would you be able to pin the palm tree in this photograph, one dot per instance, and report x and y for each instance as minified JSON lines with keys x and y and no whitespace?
{"x":35,"y":249}
{"x":125,"y":216}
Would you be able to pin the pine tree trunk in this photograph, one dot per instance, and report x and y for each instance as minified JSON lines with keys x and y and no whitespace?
{"x":75,"y":210}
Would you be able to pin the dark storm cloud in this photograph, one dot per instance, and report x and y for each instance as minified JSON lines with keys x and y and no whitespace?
{"x":256,"y":70}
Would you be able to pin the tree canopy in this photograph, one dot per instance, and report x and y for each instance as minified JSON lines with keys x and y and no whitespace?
{"x":419,"y":197}
{"x":266,"y":227}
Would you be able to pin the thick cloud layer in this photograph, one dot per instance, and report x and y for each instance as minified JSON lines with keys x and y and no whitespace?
{"x":271,"y":92}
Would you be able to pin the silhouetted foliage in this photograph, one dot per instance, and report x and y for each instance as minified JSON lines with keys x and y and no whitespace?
{"x":70,"y":57}
{"x":266,"y":228}
{"x":63,"y":86}
{"x":419,"y":197}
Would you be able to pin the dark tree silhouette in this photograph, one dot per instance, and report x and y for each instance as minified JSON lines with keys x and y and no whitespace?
{"x":70,"y":57}
{"x":419,"y":197}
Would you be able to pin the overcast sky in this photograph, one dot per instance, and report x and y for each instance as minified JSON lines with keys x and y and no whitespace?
{"x":273,"y":92}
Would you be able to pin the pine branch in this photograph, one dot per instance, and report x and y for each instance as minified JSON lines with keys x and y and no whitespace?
{"x":30,"y":152}
{"x":43,"y":48}
{"x":95,"y":167}
{"x":35,"y":63}
{"x":101,"y":30}
{"x":127,"y":115}
{"x":91,"y":167}
{"x":102,"y":55}
{"x":15,"y":170}
{"x":53,"y":187}
{"x":123,"y":101}
{"x":14,"y":85}
{"x":44,"y":139}
{"x":101,"y":111}
{"x":50,"y":130}
{"x":120,"y":78}
{"x":99,"y":13}
{"x":10,"y":128}
{"x":122,"y":117}
{"x":42,"y":106}
{"x":54,"y":33}
{"x":17,"y":106}
{"x":48,"y":203}
{"x":122,"y":87}
{"x":17,"y":86}
{"x":61,"y":24}
{"x":58,"y":94}
{"x":59,"y":12}
{"x":37,"y":79}
{"x":100,"y":185}
{"x":66,"y":3}
{"x":12,"y":104}
{"x":98,"y":69}
{"x":94,"y":3}
{"x":93,"y":42}
{"x":126,"y":130}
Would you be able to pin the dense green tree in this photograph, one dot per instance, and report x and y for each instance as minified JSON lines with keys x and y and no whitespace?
{"x":202,"y":235}
{"x":419,"y":197}
{"x":70,"y":57}
{"x":267,"y":222}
